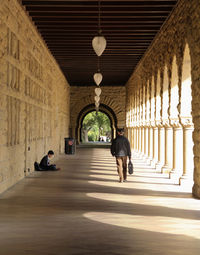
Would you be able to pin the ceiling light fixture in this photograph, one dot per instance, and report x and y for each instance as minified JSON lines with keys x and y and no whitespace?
{"x":99,"y":41}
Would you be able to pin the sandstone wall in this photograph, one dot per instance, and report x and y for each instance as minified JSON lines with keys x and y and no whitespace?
{"x":113,"y":97}
{"x":34,"y":96}
{"x":181,"y":29}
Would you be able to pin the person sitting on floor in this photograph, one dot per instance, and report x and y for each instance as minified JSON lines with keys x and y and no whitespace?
{"x":45,"y":162}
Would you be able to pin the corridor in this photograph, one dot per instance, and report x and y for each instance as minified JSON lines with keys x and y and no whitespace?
{"x":82,"y":209}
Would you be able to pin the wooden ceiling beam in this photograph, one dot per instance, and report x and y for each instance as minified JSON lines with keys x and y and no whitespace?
{"x":69,"y":26}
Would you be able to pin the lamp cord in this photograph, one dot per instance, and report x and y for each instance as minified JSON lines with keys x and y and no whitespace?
{"x":99,"y":16}
{"x":98,"y":64}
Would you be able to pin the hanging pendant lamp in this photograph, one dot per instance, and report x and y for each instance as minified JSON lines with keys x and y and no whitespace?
{"x":98,"y":91}
{"x":98,"y":78}
{"x":97,"y":105}
{"x":97,"y":99}
{"x":99,"y":41}
{"x":99,"y":44}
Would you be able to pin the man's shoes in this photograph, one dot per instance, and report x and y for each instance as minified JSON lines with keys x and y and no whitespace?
{"x":125,"y":180}
{"x":120,"y":180}
{"x":58,"y":169}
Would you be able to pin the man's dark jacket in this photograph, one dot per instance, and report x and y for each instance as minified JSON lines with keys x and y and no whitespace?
{"x":44,"y":164}
{"x":120,"y":147}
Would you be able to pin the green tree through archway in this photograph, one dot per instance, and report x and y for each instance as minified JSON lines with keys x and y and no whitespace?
{"x":96,"y":127}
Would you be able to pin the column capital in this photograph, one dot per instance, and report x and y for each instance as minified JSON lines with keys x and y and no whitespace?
{"x":186,"y":122}
{"x":166,"y":123}
{"x":175,"y":123}
{"x":147,"y":124}
{"x":159,"y":123}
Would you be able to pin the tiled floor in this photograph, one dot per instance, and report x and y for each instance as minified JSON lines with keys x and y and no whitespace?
{"x":82,"y":209}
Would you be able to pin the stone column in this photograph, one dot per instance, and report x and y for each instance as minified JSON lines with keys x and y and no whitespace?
{"x":161,"y":147}
{"x":150,"y":144}
{"x":146,"y":142}
{"x":188,"y":158}
{"x":155,"y":145}
{"x":139,"y":140}
{"x":177,"y":152}
{"x":135,"y":139}
{"x":143,"y":141}
{"x":168,"y":148}
{"x":132,"y":138}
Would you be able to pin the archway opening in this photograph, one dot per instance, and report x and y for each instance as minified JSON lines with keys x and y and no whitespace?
{"x":96,"y":128}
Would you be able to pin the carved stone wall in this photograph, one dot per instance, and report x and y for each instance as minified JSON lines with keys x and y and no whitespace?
{"x":181,"y":30}
{"x":34,"y":96}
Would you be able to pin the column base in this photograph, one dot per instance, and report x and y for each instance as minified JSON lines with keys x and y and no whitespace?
{"x":196,"y":191}
{"x":153,"y":163}
{"x":166,"y":169}
{"x":174,"y":175}
{"x":159,"y":166}
{"x":186,"y":180}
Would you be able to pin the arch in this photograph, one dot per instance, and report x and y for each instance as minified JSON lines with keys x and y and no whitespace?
{"x":89,"y":108}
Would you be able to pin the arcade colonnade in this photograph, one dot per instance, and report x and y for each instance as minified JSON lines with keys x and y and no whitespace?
{"x":159,"y":120}
{"x":162,"y":98}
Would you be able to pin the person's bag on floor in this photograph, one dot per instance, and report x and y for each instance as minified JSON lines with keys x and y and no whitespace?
{"x":130,"y":167}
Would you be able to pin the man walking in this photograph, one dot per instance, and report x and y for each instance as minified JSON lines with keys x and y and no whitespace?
{"x":120,"y":148}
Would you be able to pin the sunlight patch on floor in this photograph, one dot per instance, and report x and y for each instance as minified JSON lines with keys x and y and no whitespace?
{"x":167,"y":225}
{"x":142,"y":186}
{"x":169,"y":202}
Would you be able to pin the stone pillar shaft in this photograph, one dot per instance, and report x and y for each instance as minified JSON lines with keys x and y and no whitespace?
{"x":150,"y":143}
{"x":143,"y":140}
{"x":161,"y":148}
{"x":155,"y":145}
{"x":168,"y":150}
{"x":188,"y":161}
{"x":177,"y":152}
{"x":146,"y":142}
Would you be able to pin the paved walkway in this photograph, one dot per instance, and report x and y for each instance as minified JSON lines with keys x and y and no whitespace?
{"x":82,"y":209}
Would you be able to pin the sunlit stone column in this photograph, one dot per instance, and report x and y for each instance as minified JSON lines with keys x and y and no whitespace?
{"x":146,"y":142}
{"x":161,"y":147}
{"x":161,"y":130}
{"x":188,"y":160}
{"x":139,"y":140}
{"x":152,"y":120}
{"x":166,"y":123}
{"x":147,"y":120}
{"x":157,"y":117}
{"x":174,"y":98}
{"x":150,"y":144}
{"x":143,"y":142}
{"x":168,"y":148}
{"x":137,"y":120}
{"x":132,"y":138}
{"x":177,"y":152}
{"x":141,"y":119}
{"x":155,"y":145}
